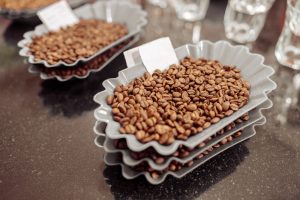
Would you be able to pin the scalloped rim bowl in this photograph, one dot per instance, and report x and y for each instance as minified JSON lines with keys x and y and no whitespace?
{"x":113,"y":11}
{"x":112,"y":159}
{"x":255,"y":116}
{"x":35,"y":70}
{"x":252,"y":69}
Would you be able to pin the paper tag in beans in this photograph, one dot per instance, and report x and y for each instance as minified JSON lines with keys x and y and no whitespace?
{"x":57,"y":15}
{"x":158,"y":54}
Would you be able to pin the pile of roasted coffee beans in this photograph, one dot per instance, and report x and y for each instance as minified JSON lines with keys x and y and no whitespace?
{"x":82,"y":68}
{"x":81,"y":40}
{"x":18,"y":5}
{"x":180,"y":101}
{"x":182,"y":151}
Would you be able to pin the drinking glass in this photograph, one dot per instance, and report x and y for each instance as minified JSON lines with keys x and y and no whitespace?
{"x":160,"y":3}
{"x":244,"y":19}
{"x":287,"y":50}
{"x":190,"y":10}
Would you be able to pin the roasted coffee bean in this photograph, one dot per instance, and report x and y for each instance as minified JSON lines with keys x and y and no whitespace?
{"x":159,"y":160}
{"x":215,"y":120}
{"x":110,"y":99}
{"x":24,"y":4}
{"x":182,"y":100}
{"x":154,"y":175}
{"x":81,"y":40}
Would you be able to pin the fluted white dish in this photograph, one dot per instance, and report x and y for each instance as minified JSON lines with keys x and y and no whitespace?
{"x":252,"y":69}
{"x":123,"y":12}
{"x":112,"y":159}
{"x":33,"y":69}
{"x":109,"y":147}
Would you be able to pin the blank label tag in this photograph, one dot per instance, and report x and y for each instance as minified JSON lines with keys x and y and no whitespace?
{"x":57,"y":15}
{"x":158,"y":54}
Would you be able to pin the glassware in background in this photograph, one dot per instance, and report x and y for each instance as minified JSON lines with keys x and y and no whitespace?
{"x":244,"y":19}
{"x":190,"y":10}
{"x":160,"y":3}
{"x":287,"y":49}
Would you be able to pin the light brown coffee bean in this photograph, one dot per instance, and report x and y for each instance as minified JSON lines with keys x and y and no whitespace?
{"x":110,"y":99}
{"x":162,"y":129}
{"x":215,"y":120}
{"x":192,"y":107}
{"x":206,"y":125}
{"x":140,"y":134}
{"x":159,"y":160}
{"x":226,"y":105}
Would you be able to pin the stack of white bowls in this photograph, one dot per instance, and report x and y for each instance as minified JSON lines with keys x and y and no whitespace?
{"x":203,"y":146}
{"x":123,"y":12}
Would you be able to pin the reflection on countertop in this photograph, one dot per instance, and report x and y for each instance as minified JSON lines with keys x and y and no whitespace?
{"x":72,"y":98}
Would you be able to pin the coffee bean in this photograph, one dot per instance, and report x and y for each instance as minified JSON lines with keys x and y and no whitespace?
{"x":190,"y":163}
{"x":162,"y":129}
{"x":229,"y":112}
{"x":206,"y":125}
{"x":172,"y":167}
{"x":24,"y":4}
{"x":160,"y":160}
{"x":234,"y":107}
{"x":140,"y":134}
{"x":155,"y":175}
{"x":226,"y":105}
{"x":192,"y":107}
{"x":224,"y":141}
{"x":212,"y":114}
{"x":215,"y":120}
{"x":120,"y":97}
{"x":110,"y":99}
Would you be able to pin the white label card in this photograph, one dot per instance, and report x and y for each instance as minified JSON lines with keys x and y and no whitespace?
{"x":57,"y":15}
{"x":158,"y":54}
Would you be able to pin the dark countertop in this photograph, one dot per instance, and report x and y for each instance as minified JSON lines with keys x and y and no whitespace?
{"x":47,"y":149}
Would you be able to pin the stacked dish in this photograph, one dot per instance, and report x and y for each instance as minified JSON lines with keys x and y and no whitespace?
{"x":119,"y":27}
{"x":210,"y":116}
